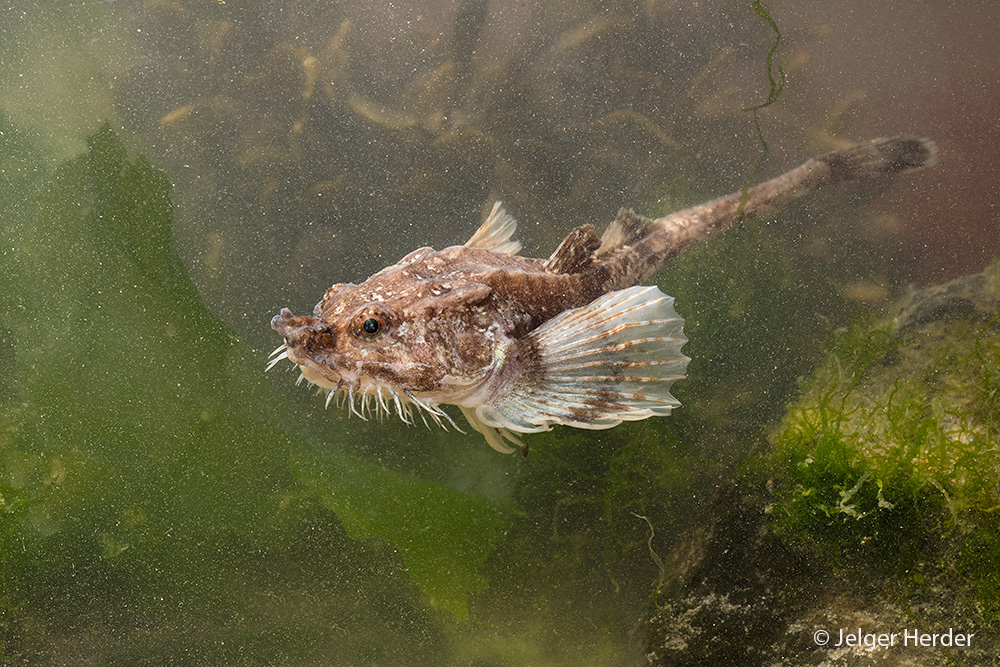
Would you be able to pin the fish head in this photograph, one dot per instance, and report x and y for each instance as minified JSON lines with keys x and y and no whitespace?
{"x":420,"y":338}
{"x":357,"y":353}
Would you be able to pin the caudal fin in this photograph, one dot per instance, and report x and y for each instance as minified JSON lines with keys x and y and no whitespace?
{"x":881,"y":157}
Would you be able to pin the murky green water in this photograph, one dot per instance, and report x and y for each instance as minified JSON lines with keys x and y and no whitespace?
{"x":174,"y":172}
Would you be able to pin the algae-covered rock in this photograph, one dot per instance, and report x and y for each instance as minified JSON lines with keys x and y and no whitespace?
{"x":873,"y":511}
{"x":897,"y":429}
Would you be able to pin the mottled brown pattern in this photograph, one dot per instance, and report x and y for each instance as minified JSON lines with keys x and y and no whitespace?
{"x":575,"y":253}
{"x":451,"y":326}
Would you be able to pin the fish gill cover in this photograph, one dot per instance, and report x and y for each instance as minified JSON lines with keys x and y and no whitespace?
{"x":131,"y":440}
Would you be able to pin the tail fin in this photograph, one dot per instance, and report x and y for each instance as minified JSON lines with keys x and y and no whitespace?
{"x":880,"y":157}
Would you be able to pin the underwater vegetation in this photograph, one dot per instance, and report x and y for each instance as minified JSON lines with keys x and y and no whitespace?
{"x":873,"y":504}
{"x":893,"y":447}
{"x":134,"y":460}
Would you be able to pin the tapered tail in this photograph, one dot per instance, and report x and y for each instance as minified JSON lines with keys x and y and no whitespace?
{"x":633,"y":247}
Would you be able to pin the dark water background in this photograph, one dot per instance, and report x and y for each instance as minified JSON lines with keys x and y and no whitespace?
{"x":186,"y":508}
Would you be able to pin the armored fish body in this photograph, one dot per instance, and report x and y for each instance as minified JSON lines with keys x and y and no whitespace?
{"x":522,"y":344}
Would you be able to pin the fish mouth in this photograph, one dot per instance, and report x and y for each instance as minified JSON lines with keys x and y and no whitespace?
{"x":308,"y":345}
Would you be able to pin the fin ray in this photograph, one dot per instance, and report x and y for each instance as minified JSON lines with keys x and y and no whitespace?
{"x":495,"y":233}
{"x":575,"y":253}
{"x":611,"y":361}
{"x":621,"y":231}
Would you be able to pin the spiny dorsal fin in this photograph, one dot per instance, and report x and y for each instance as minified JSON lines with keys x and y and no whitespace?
{"x":575,"y":253}
{"x":621,"y":231}
{"x":597,"y":366}
{"x":495,"y":233}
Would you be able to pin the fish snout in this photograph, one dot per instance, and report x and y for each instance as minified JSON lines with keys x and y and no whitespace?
{"x":285,"y":323}
{"x":299,"y":331}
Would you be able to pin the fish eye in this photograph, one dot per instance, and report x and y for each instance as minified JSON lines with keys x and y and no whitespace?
{"x":370,"y":323}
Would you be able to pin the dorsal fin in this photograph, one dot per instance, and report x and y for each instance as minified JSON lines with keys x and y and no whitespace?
{"x":495,"y":233}
{"x":575,"y":253}
{"x":621,"y":231}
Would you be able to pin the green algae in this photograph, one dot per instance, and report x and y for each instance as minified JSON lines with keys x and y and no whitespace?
{"x":888,"y":462}
{"x":775,"y":88}
{"x":140,"y":459}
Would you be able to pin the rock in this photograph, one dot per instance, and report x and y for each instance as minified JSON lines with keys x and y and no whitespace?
{"x":867,"y":532}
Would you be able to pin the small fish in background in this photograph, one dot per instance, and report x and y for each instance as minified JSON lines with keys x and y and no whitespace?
{"x":522,"y":344}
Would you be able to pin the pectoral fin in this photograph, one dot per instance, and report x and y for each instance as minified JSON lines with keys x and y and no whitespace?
{"x":495,"y":233}
{"x":594,"y":367}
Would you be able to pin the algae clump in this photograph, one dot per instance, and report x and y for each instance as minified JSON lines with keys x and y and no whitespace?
{"x":889,"y":463}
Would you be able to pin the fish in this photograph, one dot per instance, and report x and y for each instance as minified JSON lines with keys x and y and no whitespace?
{"x":521,"y":344}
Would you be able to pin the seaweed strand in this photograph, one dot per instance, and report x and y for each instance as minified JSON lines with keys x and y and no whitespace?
{"x":776,"y":86}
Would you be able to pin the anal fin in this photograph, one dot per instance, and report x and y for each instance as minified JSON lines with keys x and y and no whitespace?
{"x":594,"y":367}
